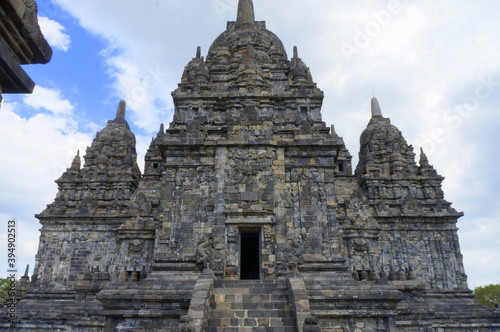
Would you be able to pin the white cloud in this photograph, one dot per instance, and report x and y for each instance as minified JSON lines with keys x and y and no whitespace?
{"x":143,"y":143}
{"x":141,"y":89}
{"x":140,"y":52}
{"x":35,"y":151}
{"x":50,"y":100}
{"x":54,"y":33}
{"x":480,"y":247}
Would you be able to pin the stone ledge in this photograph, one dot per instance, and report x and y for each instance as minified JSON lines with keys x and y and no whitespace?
{"x":14,"y":79}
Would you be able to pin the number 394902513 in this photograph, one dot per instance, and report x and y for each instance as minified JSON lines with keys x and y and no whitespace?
{"x":11,"y":243}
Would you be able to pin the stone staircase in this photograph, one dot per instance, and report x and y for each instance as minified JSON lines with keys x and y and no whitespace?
{"x":251,"y":305}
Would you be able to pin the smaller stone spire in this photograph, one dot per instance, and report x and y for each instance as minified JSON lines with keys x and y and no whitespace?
{"x":425,"y":168}
{"x":333,"y":132}
{"x":198,"y":52}
{"x":120,"y":112}
{"x":246,"y":14}
{"x":26,"y":276}
{"x":77,"y":162}
{"x":299,"y":72}
{"x":376,"y":111}
{"x":202,"y":74}
{"x":34,"y":276}
{"x":424,"y":161}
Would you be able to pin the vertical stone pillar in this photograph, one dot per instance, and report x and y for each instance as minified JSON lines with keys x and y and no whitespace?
{"x":219,"y":228}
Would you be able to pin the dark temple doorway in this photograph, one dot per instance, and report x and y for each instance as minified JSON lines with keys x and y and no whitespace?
{"x":250,"y":255}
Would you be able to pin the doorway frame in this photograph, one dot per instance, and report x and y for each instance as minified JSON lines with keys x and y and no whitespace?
{"x":250,"y":231}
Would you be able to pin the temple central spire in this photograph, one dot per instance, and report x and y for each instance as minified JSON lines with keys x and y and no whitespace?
{"x":246,"y":14}
{"x":376,"y":110}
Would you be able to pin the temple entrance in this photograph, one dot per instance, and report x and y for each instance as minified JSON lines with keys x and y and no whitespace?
{"x":250,"y":255}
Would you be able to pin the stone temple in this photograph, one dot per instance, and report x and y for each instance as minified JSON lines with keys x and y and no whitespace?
{"x":249,"y":216}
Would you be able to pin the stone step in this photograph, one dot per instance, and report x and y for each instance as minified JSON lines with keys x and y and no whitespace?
{"x":255,"y":322}
{"x":251,"y":305}
{"x":278,"y":305}
{"x":249,"y":283}
{"x":248,"y":298}
{"x":252,"y":329}
{"x":251,"y":290}
{"x":251,"y":313}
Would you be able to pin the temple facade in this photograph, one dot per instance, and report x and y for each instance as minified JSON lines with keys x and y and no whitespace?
{"x":249,"y":216}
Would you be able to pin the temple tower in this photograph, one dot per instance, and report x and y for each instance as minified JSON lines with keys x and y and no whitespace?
{"x":246,"y":142}
{"x":248,"y":216}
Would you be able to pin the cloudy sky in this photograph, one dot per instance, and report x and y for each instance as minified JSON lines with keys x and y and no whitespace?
{"x":433,"y":64}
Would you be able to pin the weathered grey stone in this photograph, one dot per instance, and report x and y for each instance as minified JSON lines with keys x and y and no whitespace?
{"x":249,"y":182}
{"x":22,"y":42}
{"x":311,"y":325}
{"x":186,"y":324}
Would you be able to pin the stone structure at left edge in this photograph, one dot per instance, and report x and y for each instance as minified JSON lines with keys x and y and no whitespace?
{"x":249,"y":182}
{"x":21,"y":43}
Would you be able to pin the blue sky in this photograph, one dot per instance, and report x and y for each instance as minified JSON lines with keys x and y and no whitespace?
{"x":433,"y":65}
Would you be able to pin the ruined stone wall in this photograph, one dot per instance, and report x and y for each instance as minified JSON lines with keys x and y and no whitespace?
{"x":352,"y":324}
{"x":310,"y":219}
{"x":430,"y":250}
{"x":67,"y":252}
{"x":187,"y":200}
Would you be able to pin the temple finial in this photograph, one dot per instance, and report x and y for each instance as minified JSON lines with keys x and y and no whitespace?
{"x":376,"y":111}
{"x":246,"y":14}
{"x":295,"y":52}
{"x":120,"y":112}
{"x":198,"y":52}
{"x":76,"y":164}
{"x":25,"y":276}
{"x":424,"y":161}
